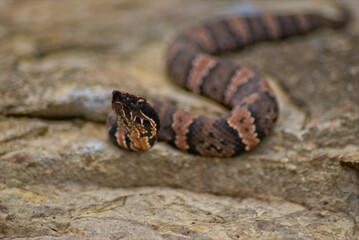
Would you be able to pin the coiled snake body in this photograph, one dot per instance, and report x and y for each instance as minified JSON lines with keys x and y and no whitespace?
{"x":136,"y":124}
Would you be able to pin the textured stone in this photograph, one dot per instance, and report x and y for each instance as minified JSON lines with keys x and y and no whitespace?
{"x":158,"y":213}
{"x":61,"y":178}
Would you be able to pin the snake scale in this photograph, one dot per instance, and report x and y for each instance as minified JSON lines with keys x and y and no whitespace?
{"x":136,"y":124}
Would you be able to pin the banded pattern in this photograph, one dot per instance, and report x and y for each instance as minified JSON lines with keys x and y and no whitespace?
{"x":190,"y":64}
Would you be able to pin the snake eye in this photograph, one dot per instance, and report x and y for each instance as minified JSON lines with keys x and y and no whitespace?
{"x":140,"y":102}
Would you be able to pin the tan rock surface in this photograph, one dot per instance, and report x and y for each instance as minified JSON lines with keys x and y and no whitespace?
{"x":158,"y":213}
{"x":61,"y":178}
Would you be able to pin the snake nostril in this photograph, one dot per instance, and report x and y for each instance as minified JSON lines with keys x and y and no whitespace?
{"x":116,"y":95}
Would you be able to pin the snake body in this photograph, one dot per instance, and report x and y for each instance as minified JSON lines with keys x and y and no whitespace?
{"x":136,"y":123}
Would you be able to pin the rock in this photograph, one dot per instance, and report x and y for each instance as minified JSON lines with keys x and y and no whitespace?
{"x":62,"y":178}
{"x":158,"y":213}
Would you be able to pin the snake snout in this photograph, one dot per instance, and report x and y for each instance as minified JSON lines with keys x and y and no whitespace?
{"x":116,"y":95}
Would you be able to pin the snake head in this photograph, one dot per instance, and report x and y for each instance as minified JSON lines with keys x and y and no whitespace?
{"x":138,"y":118}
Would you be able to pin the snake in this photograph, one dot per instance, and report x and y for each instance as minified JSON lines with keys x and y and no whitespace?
{"x":192,"y":62}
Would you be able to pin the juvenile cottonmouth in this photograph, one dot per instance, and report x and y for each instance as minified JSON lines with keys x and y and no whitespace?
{"x":136,"y":124}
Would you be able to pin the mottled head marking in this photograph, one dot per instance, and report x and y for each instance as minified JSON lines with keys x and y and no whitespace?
{"x":138,"y":119}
